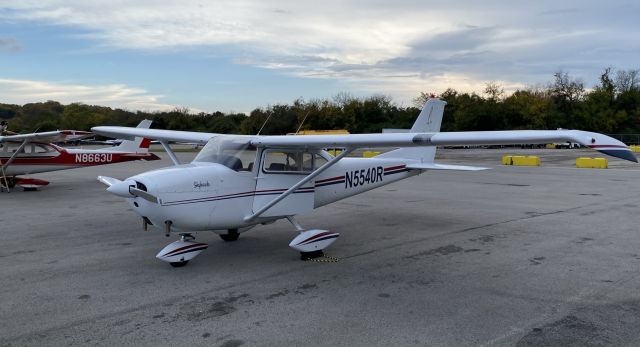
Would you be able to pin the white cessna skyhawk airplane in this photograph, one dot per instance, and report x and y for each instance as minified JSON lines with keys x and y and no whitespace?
{"x":237,"y":182}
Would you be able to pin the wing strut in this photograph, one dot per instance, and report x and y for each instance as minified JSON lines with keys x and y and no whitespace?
{"x":15,"y":154}
{"x":5,"y":166}
{"x":169,"y":151}
{"x":299,"y":184}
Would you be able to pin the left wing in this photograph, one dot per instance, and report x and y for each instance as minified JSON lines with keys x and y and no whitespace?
{"x":599,"y":142}
{"x":48,"y":136}
{"x":128,"y":133}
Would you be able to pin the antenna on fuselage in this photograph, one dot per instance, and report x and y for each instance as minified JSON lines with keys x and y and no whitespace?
{"x":301,"y":123}
{"x":265,"y":123}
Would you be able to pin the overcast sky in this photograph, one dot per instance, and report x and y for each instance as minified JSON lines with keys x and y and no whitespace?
{"x":242,"y":54}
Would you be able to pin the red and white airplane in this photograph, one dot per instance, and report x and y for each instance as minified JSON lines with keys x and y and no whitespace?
{"x":25,"y":154}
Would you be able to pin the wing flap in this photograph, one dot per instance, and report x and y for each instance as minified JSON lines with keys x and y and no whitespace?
{"x":434,"y":166}
{"x":325,"y":141}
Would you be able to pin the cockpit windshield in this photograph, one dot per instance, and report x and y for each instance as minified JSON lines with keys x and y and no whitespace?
{"x":234,"y":152}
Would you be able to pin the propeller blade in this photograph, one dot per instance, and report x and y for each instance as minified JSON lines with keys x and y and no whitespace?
{"x":143,"y":194}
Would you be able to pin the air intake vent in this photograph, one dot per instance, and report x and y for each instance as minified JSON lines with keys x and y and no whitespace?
{"x":141,"y":186}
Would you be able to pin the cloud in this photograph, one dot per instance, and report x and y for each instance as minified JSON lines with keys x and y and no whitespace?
{"x":114,"y":95}
{"x":9,"y":44}
{"x":372,"y":45}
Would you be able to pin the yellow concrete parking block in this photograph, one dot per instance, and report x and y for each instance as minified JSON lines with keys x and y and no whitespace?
{"x":507,"y":160}
{"x":369,"y":154}
{"x":592,"y":163}
{"x":519,"y":160}
{"x":600,"y":163}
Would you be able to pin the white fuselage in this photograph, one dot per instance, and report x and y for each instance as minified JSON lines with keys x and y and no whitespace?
{"x":208,"y":196}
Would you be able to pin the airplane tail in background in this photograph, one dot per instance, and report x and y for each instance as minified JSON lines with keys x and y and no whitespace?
{"x":429,"y":121}
{"x":138,"y":145}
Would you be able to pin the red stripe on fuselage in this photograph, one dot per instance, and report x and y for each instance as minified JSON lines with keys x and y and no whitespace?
{"x":608,"y":146}
{"x":78,"y":159}
{"x":394,"y":167}
{"x":330,"y":179}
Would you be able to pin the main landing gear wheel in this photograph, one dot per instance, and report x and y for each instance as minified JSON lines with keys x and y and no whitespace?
{"x":231,"y":235}
{"x":311,"y":255}
{"x":179,"y":263}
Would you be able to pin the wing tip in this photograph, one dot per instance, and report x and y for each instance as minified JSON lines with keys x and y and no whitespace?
{"x":625,"y":154}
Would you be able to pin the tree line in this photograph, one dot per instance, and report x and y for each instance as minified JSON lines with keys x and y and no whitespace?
{"x":612,"y":106}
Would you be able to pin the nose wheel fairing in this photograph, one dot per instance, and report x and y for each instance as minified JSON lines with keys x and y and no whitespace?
{"x":179,"y":253}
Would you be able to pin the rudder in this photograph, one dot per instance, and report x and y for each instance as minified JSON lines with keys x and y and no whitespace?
{"x":138,"y":145}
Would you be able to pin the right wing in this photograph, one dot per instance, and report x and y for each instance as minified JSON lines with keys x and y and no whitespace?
{"x":48,"y":136}
{"x":599,"y":142}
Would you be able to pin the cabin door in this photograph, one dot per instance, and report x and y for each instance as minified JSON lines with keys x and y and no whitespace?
{"x":280,"y":170}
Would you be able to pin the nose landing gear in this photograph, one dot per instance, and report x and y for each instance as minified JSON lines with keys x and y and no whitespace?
{"x":231,"y":235}
{"x":179,"y":253}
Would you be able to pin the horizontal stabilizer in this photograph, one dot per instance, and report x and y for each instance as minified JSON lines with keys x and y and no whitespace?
{"x":433,"y":166}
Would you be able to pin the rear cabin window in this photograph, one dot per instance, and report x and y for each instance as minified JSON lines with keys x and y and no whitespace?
{"x":293,"y":162}
{"x":41,"y":149}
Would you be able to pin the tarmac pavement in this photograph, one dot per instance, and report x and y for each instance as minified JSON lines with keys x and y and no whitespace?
{"x":524,"y":256}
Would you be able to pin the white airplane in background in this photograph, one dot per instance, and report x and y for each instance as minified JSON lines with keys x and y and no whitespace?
{"x":25,"y":154}
{"x":237,"y":182}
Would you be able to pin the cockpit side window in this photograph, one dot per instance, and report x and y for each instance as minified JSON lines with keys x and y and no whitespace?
{"x":41,"y":149}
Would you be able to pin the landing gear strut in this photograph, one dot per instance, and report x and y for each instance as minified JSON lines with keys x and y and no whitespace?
{"x":231,"y":235}
{"x":178,"y":253}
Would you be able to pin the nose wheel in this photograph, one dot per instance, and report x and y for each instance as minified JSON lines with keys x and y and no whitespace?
{"x":178,"y":253}
{"x":179,"y":263}
{"x":231,"y":235}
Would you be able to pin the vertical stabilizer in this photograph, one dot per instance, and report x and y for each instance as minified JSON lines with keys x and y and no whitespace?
{"x":138,"y":145}
{"x":429,"y":121}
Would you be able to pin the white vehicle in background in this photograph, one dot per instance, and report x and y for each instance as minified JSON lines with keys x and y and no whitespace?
{"x":566,"y":145}
{"x":237,"y":182}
